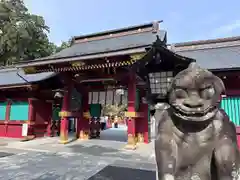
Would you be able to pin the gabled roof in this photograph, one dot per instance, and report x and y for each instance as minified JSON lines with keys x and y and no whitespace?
{"x":211,"y":42}
{"x":213,"y":54}
{"x":217,"y":58}
{"x":142,"y":68}
{"x":153,"y":25}
{"x":14,"y":76}
{"x":109,"y":43}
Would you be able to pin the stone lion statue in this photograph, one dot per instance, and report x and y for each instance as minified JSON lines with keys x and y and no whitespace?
{"x":195,"y":139}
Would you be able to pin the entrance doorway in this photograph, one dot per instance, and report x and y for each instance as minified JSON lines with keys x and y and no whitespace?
{"x":113,"y":126}
{"x":115,"y":131}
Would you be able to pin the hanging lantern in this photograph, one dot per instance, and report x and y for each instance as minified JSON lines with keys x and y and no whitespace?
{"x":58,"y":95}
{"x":159,"y":82}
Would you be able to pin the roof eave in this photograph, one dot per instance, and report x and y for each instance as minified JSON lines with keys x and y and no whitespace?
{"x":13,"y":86}
{"x":130,"y":28}
{"x":45,"y":61}
{"x":159,"y":46}
{"x":225,"y":69}
{"x":209,"y":41}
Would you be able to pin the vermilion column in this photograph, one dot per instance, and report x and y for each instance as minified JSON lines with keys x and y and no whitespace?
{"x":131,"y":111}
{"x":83,"y":122}
{"x":78,"y":126}
{"x":65,"y":113}
{"x":50,"y":126}
{"x":31,"y":118}
{"x":142,"y":121}
{"x":7,"y":117}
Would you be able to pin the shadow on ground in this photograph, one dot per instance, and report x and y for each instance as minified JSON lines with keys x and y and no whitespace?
{"x":114,"y":134}
{"x":5,"y":154}
{"x":94,"y":150}
{"x":49,"y":176}
{"x":122,"y":173}
{"x":104,"y":145}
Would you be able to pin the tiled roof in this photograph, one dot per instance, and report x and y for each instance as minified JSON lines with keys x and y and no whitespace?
{"x":134,"y":39}
{"x":208,"y":41}
{"x":213,"y":54}
{"x":153,"y":25}
{"x":215,"y":58}
{"x":110,"y":44}
{"x":9,"y":76}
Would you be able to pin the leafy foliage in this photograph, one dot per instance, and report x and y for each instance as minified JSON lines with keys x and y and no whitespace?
{"x":114,"y":110}
{"x":23,"y":36}
{"x":64,"y":45}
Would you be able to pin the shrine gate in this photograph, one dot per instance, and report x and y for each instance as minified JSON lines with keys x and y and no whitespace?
{"x":135,"y":59}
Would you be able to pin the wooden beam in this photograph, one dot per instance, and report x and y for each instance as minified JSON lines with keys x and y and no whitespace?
{"x":97,"y":74}
{"x":227,"y":73}
{"x":16,"y":86}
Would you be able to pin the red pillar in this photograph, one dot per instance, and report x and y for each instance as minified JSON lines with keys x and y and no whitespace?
{"x":238,"y":136}
{"x":31,"y":119}
{"x":64,"y":114}
{"x":7,"y":117}
{"x":78,"y":121}
{"x":51,"y":130}
{"x":83,"y":121}
{"x":131,"y":110}
{"x":144,"y":122}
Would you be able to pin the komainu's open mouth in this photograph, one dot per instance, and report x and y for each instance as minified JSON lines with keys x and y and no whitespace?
{"x":194,"y":115}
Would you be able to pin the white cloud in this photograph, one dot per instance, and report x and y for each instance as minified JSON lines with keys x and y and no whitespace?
{"x":227,"y":28}
{"x":58,"y":43}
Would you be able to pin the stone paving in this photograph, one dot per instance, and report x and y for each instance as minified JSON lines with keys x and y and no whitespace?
{"x":95,"y":147}
{"x":46,"y":159}
{"x":52,"y":166}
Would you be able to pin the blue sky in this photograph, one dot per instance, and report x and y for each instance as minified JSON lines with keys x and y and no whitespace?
{"x":184,"y":20}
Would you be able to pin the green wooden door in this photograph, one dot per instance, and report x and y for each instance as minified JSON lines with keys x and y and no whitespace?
{"x":3,"y":109}
{"x":19,"y":111}
{"x":55,"y":113}
{"x":137,"y":100}
{"x":95,"y":110}
{"x":231,"y":105}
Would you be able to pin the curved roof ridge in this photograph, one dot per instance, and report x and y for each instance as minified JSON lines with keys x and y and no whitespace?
{"x":207,"y":41}
{"x":119,"y":30}
{"x":8,"y":69}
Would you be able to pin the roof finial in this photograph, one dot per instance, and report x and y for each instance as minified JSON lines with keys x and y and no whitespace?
{"x":155,"y":27}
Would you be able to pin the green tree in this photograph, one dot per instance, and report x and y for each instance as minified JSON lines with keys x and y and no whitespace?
{"x":114,"y":110}
{"x":23,"y":36}
{"x":64,"y":45}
